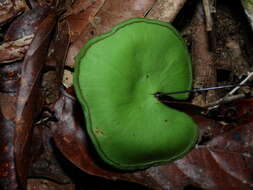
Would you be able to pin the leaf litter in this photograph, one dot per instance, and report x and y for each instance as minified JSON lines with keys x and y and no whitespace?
{"x":223,"y":155}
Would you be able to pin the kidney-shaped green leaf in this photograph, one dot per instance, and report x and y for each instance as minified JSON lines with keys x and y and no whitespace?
{"x":116,"y":77}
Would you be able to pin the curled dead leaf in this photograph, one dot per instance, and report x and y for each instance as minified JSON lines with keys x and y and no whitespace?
{"x":26,"y":24}
{"x":28,"y":95}
{"x":58,"y":49}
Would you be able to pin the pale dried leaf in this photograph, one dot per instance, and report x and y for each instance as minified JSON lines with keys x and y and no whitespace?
{"x":14,"y":50}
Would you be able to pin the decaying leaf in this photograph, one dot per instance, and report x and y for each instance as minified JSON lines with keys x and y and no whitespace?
{"x":26,"y":24}
{"x":221,"y":160}
{"x":8,"y":178}
{"x":80,"y":15}
{"x":28,"y":95}
{"x":46,"y":162}
{"x":9,"y":81}
{"x":58,"y":49}
{"x":55,"y":63}
{"x":20,"y":34}
{"x":208,"y":166}
{"x":102,"y":17}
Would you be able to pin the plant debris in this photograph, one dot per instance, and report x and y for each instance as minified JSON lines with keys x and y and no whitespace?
{"x":42,"y":127}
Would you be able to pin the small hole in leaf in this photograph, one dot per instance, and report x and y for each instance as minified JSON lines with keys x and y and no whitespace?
{"x":147,"y":76}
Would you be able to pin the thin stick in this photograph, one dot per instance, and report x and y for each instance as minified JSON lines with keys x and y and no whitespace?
{"x":229,"y":97}
{"x":225,"y":99}
{"x":202,"y":89}
{"x":250,"y":74}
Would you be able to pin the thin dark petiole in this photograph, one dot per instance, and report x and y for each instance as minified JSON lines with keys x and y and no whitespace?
{"x":159,"y":94}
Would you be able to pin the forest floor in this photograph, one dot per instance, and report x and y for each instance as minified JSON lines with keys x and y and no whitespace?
{"x":38,"y":107}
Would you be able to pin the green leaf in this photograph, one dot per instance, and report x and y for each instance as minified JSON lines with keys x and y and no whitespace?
{"x":116,"y":75}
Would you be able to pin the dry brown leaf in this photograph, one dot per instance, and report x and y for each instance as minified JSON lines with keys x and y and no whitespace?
{"x":81,"y":14}
{"x":111,"y":13}
{"x":26,"y":24}
{"x":166,"y":10}
{"x":59,"y":48}
{"x":28,"y":96}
